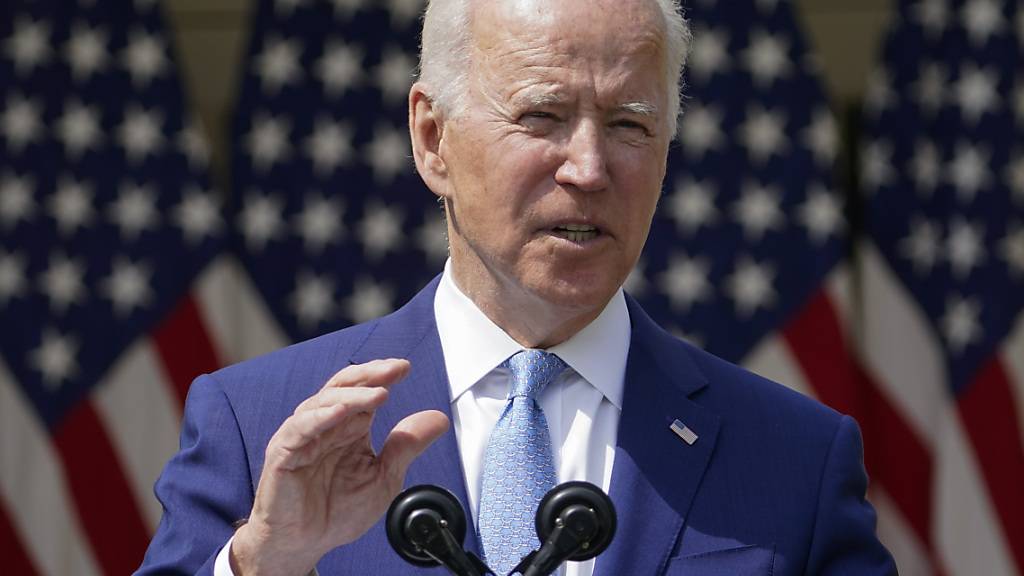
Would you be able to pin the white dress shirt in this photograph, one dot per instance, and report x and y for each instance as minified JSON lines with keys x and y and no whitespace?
{"x":582,"y":405}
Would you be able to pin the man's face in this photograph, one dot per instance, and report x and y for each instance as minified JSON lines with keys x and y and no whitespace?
{"x":555,"y":164}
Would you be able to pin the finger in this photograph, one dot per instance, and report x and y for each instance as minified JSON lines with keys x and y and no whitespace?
{"x":408,"y":439}
{"x":374,"y":373}
{"x":303,"y":427}
{"x":327,"y":397}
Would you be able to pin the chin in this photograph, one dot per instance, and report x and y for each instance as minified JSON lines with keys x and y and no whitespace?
{"x":580,"y":293}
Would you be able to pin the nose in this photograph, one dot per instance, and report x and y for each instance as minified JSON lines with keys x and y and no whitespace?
{"x":585,"y":165}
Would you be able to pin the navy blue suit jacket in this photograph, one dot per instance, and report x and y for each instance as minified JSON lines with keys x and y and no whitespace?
{"x":774,"y":484}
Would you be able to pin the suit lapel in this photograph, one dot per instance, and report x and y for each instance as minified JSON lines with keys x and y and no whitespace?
{"x":656,"y":474}
{"x":411,"y":333}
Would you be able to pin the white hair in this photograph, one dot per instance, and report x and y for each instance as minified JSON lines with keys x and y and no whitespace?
{"x":447,"y":42}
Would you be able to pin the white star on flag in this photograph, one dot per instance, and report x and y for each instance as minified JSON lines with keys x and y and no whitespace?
{"x":29,"y":46}
{"x":267,"y":142}
{"x":1011,"y":249}
{"x":380,"y":230}
{"x":983,"y":19}
{"x":822,"y":215}
{"x":822,"y":137}
{"x":763,"y":133}
{"x":767,"y":58}
{"x":340,"y":67}
{"x":278,"y":65}
{"x":976,"y":92}
{"x":395,"y":74}
{"x":63,"y":282}
{"x":79,"y":128}
{"x":260,"y":220}
{"x":700,"y":130}
{"x":930,"y":88}
{"x":685,"y":281}
{"x":921,"y":246}
{"x":330,"y":145}
{"x":12,"y":276}
{"x":758,"y":210}
{"x":144,"y":58}
{"x":86,"y":51}
{"x":320,"y":223}
{"x":932,"y":15}
{"x":388,"y":153}
{"x":140,"y":134}
{"x":55,"y":358}
{"x":71,"y":206}
{"x":925,"y":168}
{"x":965,"y":246}
{"x":692,"y":205}
{"x":960,"y":324}
{"x":16,"y":202}
{"x":20,"y":123}
{"x":969,"y":172}
{"x":369,"y":300}
{"x":313,"y":299}
{"x":128,"y":286}
{"x":433,"y":237}
{"x":750,"y":286}
{"x":709,"y":54}
{"x":198,"y":216}
{"x":134,"y":211}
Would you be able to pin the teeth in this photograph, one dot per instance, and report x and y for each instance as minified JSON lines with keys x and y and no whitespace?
{"x":579,"y":228}
{"x":576,"y":235}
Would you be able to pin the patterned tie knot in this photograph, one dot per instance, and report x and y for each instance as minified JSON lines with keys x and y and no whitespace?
{"x":532,"y":370}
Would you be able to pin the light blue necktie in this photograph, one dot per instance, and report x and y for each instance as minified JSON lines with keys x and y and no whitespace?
{"x":518,"y":464}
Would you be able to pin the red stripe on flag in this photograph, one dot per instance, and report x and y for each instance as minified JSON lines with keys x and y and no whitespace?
{"x":987,"y":407}
{"x":894,"y":455}
{"x":13,"y":555}
{"x":818,"y":342}
{"x":104,"y":499}
{"x":184,"y":345}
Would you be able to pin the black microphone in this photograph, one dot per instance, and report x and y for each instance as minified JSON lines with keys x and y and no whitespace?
{"x":426,"y":525}
{"x":575,"y":521}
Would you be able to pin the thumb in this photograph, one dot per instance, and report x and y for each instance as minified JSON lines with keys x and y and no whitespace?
{"x":408,"y":439}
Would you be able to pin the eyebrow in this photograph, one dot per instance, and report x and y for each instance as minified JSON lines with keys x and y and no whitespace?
{"x":544,"y":99}
{"x":640,"y":108}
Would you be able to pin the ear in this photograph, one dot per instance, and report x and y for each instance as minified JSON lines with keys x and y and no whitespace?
{"x":426,"y":130}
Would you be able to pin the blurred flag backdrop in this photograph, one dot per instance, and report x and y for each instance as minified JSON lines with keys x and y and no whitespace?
{"x":121,"y":277}
{"x":943,"y":286}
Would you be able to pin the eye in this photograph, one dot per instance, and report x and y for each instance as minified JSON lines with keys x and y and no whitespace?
{"x":539,"y":122}
{"x":536,"y":115}
{"x":631,"y":127}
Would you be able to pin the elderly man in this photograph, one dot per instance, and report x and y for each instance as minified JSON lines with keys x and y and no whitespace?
{"x":544,"y":126}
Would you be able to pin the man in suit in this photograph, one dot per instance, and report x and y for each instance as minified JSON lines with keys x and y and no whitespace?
{"x":544,"y":128}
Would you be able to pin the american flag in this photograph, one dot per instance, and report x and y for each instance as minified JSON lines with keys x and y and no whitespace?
{"x":332,"y":221}
{"x":746,"y":257}
{"x":106,"y":217}
{"x":943,"y":284}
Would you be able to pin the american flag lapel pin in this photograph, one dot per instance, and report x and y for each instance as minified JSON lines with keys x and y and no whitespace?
{"x":684,"y":432}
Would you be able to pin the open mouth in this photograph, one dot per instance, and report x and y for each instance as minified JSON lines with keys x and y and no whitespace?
{"x":577,"y":233}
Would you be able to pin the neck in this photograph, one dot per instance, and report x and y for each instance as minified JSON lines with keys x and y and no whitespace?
{"x":528,"y":319}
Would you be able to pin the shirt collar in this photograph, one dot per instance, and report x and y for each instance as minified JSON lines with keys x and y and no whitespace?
{"x":473,"y":345}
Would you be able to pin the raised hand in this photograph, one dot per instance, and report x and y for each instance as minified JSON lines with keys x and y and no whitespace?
{"x":322,"y":484}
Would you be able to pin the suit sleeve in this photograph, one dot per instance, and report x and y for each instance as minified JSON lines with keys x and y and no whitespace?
{"x":844,"y":539}
{"x":204,"y":489}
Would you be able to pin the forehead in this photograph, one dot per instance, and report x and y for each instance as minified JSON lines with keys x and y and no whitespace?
{"x":521,"y":39}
